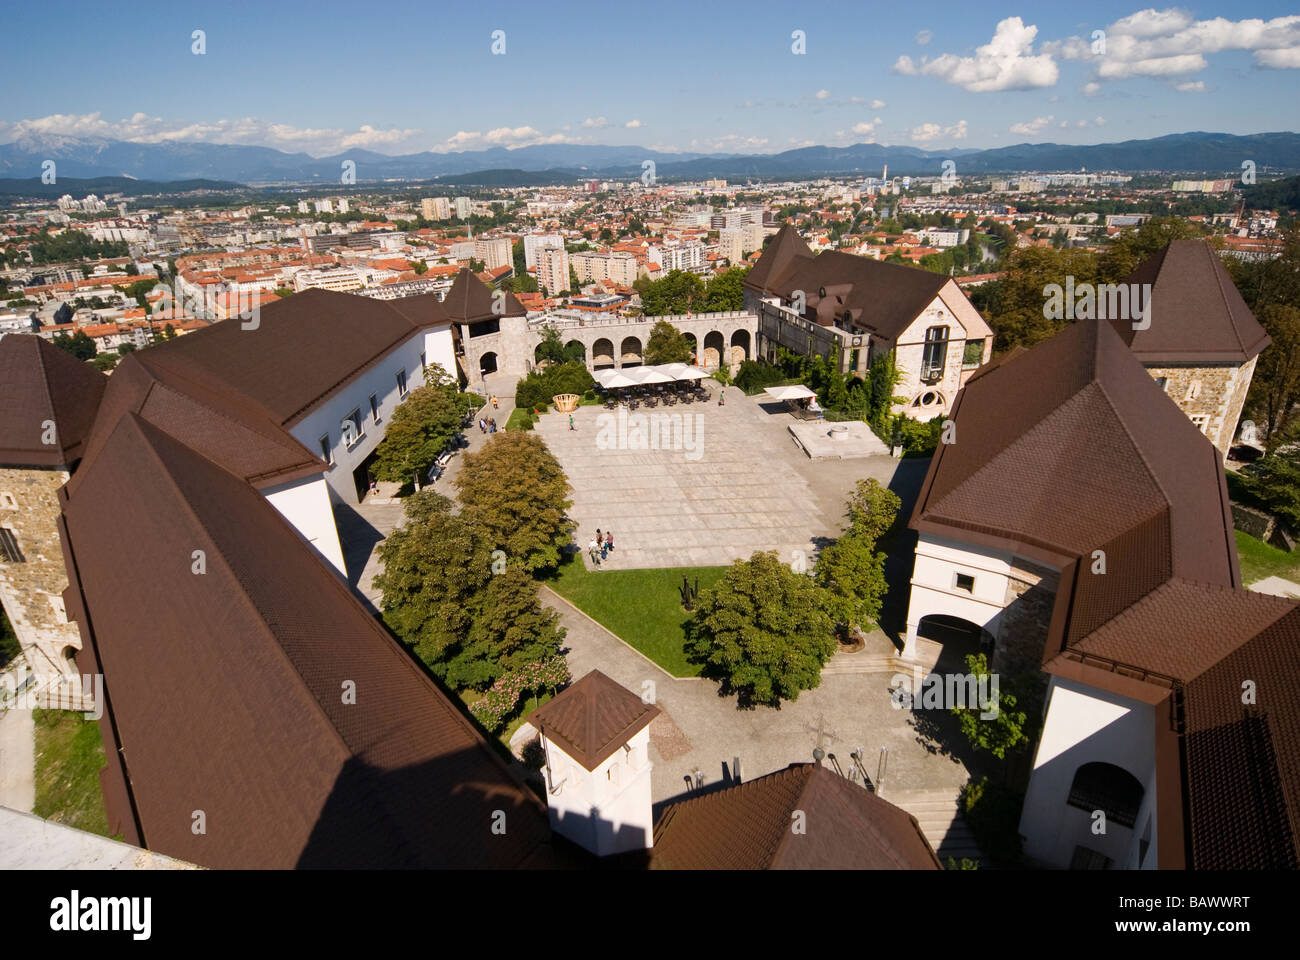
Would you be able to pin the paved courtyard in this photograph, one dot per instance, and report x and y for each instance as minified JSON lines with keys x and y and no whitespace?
{"x":737,"y":482}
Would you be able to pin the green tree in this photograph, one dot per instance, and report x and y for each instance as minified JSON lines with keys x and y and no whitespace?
{"x":79,"y":345}
{"x":552,"y":347}
{"x":667,"y":344}
{"x":852,"y":569}
{"x":1275,"y":482}
{"x":1017,"y":308}
{"x":1275,"y":389}
{"x":434,"y":566}
{"x":1133,"y":246}
{"x":676,"y":293}
{"x":420,"y":268}
{"x":763,"y":630}
{"x":725,"y":291}
{"x":998,"y":734}
{"x":421,"y":428}
{"x":511,"y":629}
{"x":516,"y":489}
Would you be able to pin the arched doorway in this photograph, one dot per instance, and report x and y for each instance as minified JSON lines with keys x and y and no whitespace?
{"x":739,"y":347}
{"x":602,"y":353}
{"x":1104,"y":786}
{"x":695,"y":347}
{"x":487,"y":363}
{"x":575,"y":350}
{"x":714,"y":345}
{"x":631,"y":352}
{"x":959,"y":637}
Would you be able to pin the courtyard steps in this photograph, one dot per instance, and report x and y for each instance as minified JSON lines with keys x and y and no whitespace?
{"x":941,"y":821}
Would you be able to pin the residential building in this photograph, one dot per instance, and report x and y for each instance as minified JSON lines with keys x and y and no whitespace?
{"x":493,"y":251}
{"x":552,"y":270}
{"x":534,"y":241}
{"x":462,"y":208}
{"x":435,"y":208}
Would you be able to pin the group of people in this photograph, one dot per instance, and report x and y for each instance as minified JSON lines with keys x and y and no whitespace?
{"x":487,"y":426}
{"x":600,"y":546}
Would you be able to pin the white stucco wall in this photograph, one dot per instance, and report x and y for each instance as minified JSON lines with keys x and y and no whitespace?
{"x":326,"y":419}
{"x":934,"y":591}
{"x":306,"y":504}
{"x":440,"y":348}
{"x":1085,"y":725}
{"x":607,"y":810}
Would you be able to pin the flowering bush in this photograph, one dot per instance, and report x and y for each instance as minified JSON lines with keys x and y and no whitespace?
{"x":496,"y":706}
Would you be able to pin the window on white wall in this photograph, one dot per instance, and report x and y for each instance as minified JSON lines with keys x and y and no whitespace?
{"x":401,"y":383}
{"x":7,"y":501}
{"x":350,"y":429}
{"x":374,"y":408}
{"x":964,"y":582}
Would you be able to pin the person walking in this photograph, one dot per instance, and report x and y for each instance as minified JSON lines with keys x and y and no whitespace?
{"x":609,"y":540}
{"x":570,"y":421}
{"x":594,"y":550}
{"x":494,"y":402}
{"x":722,"y":397}
{"x":482,"y":425}
{"x":604,"y":546}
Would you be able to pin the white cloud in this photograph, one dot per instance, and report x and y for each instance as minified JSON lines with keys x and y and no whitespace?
{"x":877,"y":104}
{"x":864,"y":127}
{"x":509,"y":137}
{"x":1091,"y":88}
{"x":595,"y":122}
{"x":1099,"y":121}
{"x":1007,"y":62}
{"x":928,"y":132}
{"x":1285,"y":59}
{"x":823,"y":94}
{"x":142,"y":128}
{"x":1190,"y":86}
{"x":1172,"y":43}
{"x":924,"y":37}
{"x":632,"y":124}
{"x":1032,"y":127}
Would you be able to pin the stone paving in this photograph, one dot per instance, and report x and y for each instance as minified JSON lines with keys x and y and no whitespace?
{"x":737,"y":483}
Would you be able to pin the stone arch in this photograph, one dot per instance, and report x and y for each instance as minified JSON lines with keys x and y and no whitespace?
{"x":714,"y":347}
{"x":581,"y":346}
{"x":487,"y":363}
{"x":602,"y":353}
{"x":630,"y":351}
{"x":1104,"y":786}
{"x":695,"y":345}
{"x":958,"y":635}
{"x":739,"y":347}
{"x":927,"y":404}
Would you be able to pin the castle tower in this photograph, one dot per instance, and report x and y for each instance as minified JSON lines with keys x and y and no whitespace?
{"x":1200,"y":342}
{"x":48,"y":400}
{"x":596,"y":735}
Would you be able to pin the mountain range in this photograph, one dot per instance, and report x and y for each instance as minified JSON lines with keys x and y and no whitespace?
{"x":1211,"y":153}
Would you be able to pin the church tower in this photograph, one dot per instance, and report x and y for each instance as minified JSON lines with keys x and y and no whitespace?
{"x":596,"y":736}
{"x":48,"y":400}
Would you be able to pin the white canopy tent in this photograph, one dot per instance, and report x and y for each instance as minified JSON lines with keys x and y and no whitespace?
{"x":613,"y":379}
{"x":791,"y":392}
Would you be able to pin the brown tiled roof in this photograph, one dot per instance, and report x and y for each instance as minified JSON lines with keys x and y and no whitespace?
{"x":882,"y":298}
{"x":1078,"y":422}
{"x":324,"y":337}
{"x":235,"y":434}
{"x":470,"y":300}
{"x":1197,"y":313}
{"x":750,"y":827}
{"x":40,"y":382}
{"x":593,"y":718}
{"x":226,"y":690}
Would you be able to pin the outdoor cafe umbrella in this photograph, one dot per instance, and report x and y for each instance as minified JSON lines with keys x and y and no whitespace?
{"x":793,"y":392}
{"x":614,"y":379}
{"x":644,"y":375}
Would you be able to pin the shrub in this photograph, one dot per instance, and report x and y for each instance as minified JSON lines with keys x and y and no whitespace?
{"x":992,"y":812}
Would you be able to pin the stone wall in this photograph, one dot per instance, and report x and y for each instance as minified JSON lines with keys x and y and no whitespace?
{"x":1022,"y":628}
{"x":31,"y":591}
{"x":1216,"y":392}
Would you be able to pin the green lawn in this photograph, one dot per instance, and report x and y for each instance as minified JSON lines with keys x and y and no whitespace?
{"x":69,"y":756}
{"x":643,"y":607}
{"x":1259,"y":560}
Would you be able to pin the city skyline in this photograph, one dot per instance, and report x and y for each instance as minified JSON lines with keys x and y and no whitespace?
{"x":307,"y":80}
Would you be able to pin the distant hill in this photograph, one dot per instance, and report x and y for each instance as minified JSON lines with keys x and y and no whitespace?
{"x":79,"y":187}
{"x":511,"y":178}
{"x":1209,"y":153}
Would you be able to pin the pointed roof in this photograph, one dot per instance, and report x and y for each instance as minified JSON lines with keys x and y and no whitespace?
{"x":1078,"y":421}
{"x":1197,"y":313}
{"x":470,"y":301}
{"x":592,"y":718}
{"x":777,"y":255}
{"x":40,"y":383}
{"x":750,"y":827}
{"x":228,"y":691}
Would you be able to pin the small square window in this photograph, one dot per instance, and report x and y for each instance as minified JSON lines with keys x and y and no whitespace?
{"x":1201,"y":420}
{"x":1162,"y":382}
{"x":965,"y":582}
{"x":7,"y":501}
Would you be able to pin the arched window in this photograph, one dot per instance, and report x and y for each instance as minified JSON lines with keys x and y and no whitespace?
{"x":1104,"y":786}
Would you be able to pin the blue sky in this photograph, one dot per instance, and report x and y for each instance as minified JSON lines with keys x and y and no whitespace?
{"x":705,"y":76}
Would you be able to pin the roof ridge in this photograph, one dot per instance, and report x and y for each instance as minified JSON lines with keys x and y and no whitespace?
{"x":1216,"y":266}
{"x":1137,"y":447}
